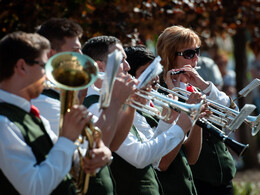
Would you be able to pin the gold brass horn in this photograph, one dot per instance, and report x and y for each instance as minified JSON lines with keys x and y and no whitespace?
{"x":71,"y":72}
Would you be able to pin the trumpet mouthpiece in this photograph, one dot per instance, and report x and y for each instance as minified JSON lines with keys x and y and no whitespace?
{"x":48,"y":85}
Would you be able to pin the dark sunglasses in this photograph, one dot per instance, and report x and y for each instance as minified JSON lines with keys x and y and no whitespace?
{"x":42,"y":64}
{"x":189,"y":53}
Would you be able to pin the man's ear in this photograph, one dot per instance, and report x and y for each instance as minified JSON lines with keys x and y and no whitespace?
{"x":51,"y":53}
{"x":101,"y":66}
{"x":20,"y":66}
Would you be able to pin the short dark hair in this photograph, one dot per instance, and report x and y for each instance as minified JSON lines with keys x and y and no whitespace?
{"x":56,"y":29}
{"x":138,"y":56}
{"x":98,"y":47}
{"x":17,"y":45}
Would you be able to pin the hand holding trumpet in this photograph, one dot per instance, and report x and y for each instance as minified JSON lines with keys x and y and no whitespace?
{"x":101,"y":156}
{"x":124,"y":87}
{"x":74,"y":121}
{"x":186,"y":74}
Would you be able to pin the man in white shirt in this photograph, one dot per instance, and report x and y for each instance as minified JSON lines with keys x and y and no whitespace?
{"x":64,"y":36}
{"x":33,"y":159}
{"x":136,"y":150}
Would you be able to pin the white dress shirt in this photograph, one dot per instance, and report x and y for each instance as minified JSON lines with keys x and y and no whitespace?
{"x":212,"y":93}
{"x":152,"y":149}
{"x":94,"y":108}
{"x":160,"y":142}
{"x":18,"y":162}
{"x":215,"y":95}
{"x":141,"y":124}
{"x":49,"y":109}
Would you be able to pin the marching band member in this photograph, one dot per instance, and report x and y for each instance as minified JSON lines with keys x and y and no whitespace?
{"x":174,"y":171}
{"x":136,"y":154}
{"x":179,"y":49}
{"x":64,"y":36}
{"x":33,"y":159}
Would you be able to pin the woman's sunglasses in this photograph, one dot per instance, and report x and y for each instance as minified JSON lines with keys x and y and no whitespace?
{"x":189,"y":53}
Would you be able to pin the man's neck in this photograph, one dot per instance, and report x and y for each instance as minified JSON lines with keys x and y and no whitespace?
{"x":10,"y":87}
{"x":98,"y":83}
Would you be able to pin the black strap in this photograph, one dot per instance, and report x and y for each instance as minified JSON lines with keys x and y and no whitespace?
{"x":89,"y":100}
{"x":51,"y":93}
{"x":153,"y":122}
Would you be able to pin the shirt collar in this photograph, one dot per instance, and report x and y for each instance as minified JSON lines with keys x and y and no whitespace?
{"x":15,"y":100}
{"x":92,"y":91}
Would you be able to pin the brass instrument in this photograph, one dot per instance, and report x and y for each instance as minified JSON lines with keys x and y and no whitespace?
{"x":155,"y":68}
{"x":162,"y":101}
{"x":223,"y":121}
{"x":71,"y":72}
{"x":222,"y":115}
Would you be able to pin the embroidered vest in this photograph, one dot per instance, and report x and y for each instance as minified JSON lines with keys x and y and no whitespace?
{"x":37,"y":138}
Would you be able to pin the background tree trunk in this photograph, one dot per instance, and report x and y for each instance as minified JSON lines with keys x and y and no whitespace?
{"x":244,"y":132}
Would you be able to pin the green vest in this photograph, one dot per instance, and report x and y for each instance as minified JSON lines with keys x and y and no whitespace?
{"x":178,"y":174}
{"x":36,"y":137}
{"x":215,"y":164}
{"x":178,"y":179}
{"x":131,"y":180}
{"x":89,"y":100}
{"x":102,"y":183}
{"x":153,"y":122}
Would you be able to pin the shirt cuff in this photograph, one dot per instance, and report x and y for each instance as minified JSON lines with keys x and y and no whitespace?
{"x":163,"y":126}
{"x":208,"y":89}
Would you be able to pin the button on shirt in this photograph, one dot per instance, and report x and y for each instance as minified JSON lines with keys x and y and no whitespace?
{"x":18,"y":161}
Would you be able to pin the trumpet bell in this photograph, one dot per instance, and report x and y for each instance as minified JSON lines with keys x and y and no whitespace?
{"x":71,"y":70}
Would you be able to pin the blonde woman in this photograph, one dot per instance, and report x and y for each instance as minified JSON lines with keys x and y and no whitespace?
{"x":179,"y":48}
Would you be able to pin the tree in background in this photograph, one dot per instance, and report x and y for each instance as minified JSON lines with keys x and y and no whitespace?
{"x":137,"y":21}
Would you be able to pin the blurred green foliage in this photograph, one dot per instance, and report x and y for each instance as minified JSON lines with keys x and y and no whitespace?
{"x":245,"y":188}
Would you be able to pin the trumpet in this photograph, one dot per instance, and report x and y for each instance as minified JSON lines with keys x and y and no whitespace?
{"x":71,"y":72}
{"x":237,"y":147}
{"x":222,"y":115}
{"x":155,"y":68}
{"x":193,"y":110}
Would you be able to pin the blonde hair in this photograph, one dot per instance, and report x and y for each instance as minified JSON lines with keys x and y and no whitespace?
{"x":171,"y":40}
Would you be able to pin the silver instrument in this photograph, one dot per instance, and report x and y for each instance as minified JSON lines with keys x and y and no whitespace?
{"x":225,"y":117}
